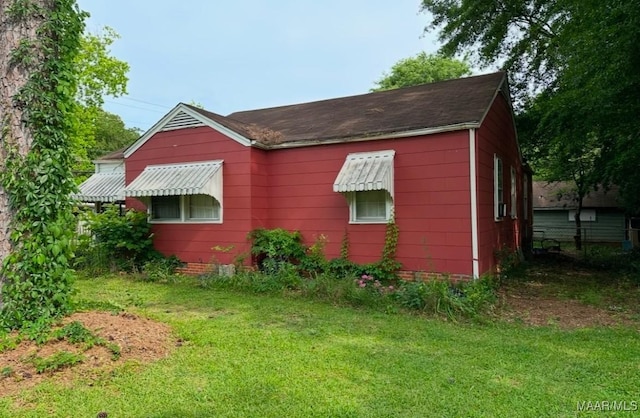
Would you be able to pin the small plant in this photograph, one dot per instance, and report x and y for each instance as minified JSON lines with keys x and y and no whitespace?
{"x":6,"y":372}
{"x":367,"y":281}
{"x":161,"y":269}
{"x":76,"y":333}
{"x":55,"y":362}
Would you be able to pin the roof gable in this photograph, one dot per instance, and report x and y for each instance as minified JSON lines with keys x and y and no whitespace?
{"x":184,"y":116}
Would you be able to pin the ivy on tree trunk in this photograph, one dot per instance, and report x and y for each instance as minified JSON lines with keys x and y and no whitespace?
{"x":39,"y":40}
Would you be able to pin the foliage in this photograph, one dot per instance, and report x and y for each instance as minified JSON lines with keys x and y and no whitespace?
{"x":161,"y":269}
{"x":126,"y":240}
{"x":442,"y":296}
{"x":422,"y":69}
{"x":55,"y":362}
{"x":110,"y":134}
{"x":98,"y":74}
{"x":36,"y":275}
{"x":275,"y":249}
{"x":572,"y":97}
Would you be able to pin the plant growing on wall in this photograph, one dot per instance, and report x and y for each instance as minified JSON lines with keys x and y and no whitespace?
{"x":39,"y":41}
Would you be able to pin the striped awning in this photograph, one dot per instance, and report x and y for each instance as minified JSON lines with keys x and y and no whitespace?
{"x":178,"y":179}
{"x":363,"y":171}
{"x":102,"y":187}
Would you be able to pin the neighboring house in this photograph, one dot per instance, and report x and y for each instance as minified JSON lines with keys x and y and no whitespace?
{"x":441,"y":159}
{"x":554,"y":211}
{"x":106,"y":185}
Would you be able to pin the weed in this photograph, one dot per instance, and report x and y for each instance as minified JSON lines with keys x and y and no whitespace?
{"x":55,"y":362}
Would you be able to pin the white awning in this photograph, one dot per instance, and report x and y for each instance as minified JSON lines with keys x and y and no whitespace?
{"x":102,"y":187}
{"x":363,"y":171}
{"x":178,"y":179}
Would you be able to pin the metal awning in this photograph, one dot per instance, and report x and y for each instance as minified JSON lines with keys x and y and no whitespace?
{"x":178,"y":179}
{"x":102,"y":187}
{"x":363,"y":171}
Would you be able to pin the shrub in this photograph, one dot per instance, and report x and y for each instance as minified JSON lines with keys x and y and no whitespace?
{"x":276,"y":249}
{"x":119,"y":242}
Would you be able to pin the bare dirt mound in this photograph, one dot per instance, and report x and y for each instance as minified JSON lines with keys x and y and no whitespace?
{"x":140,"y":341}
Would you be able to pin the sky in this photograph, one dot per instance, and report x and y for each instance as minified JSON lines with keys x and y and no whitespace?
{"x":250,"y":54}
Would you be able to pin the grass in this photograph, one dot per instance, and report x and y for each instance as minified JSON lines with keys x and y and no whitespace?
{"x":271,"y":356}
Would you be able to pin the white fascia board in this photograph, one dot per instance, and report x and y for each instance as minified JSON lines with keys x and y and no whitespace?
{"x":182,"y":108}
{"x":401,"y":134}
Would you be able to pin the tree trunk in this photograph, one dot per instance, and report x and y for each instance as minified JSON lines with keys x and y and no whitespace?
{"x":578,"y":236}
{"x":13,"y":76}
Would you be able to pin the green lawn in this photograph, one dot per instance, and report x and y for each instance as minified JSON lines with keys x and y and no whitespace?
{"x":272,"y":356}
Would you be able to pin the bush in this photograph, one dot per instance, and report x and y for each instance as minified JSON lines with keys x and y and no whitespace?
{"x":118,"y":242}
{"x":276,"y":249}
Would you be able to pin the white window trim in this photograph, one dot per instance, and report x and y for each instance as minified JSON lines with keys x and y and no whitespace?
{"x":498,"y":189}
{"x":184,"y":212}
{"x":514,"y":194}
{"x":351,"y":198}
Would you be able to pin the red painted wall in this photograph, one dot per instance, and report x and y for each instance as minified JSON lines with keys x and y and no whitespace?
{"x":432,"y":203}
{"x":194,"y":242}
{"x":497,"y":136}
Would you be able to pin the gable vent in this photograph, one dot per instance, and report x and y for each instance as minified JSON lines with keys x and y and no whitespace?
{"x":181,"y":120}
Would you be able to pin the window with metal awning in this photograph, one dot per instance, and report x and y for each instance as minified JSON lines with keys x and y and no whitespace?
{"x":187,"y":192}
{"x":366,"y":179}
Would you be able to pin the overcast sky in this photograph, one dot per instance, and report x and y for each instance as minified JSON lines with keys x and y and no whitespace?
{"x":251,"y":54}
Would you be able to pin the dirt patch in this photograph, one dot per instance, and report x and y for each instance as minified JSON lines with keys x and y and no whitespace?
{"x":529,"y":304}
{"x":140,"y":341}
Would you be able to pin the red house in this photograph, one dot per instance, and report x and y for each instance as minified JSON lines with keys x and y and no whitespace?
{"x":442,"y":159}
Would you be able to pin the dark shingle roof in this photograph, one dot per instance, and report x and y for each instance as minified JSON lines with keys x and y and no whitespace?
{"x":435,"y":105}
{"x":562,"y":195}
{"x":114,"y":155}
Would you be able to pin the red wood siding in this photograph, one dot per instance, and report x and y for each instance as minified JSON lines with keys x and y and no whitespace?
{"x":497,"y":136}
{"x":193,"y":242}
{"x":432,"y":200}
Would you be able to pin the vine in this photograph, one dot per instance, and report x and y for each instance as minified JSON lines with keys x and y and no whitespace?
{"x":388,"y":261}
{"x":36,"y":275}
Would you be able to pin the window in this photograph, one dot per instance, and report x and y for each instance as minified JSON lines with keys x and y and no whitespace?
{"x":202,"y":206}
{"x":498,"y":184}
{"x":514,"y":194}
{"x":370,"y":206}
{"x":194,"y":208}
{"x":586,"y":215}
{"x":165,"y":208}
{"x":366,"y":179}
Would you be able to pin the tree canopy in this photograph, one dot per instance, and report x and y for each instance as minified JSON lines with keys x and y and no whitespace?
{"x":98,"y":74}
{"x":420,"y":69}
{"x":573,"y":67}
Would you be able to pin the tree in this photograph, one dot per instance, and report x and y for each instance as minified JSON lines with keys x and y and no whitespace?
{"x":110,"y":134}
{"x":573,"y":66}
{"x":98,"y":74}
{"x":39,"y":42}
{"x":422,"y":69}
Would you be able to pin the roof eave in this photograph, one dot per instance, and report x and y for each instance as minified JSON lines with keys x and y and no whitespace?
{"x":390,"y":135}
